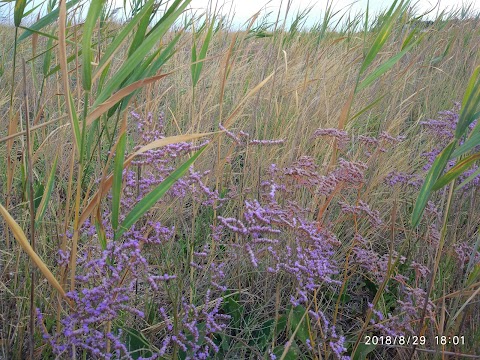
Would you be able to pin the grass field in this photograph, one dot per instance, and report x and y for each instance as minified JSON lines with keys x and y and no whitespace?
{"x":176,"y":187}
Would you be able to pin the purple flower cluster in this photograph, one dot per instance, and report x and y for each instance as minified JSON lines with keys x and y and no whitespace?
{"x":106,"y":279}
{"x":441,"y":131}
{"x":323,"y":326}
{"x":408,"y":307}
{"x":243,"y":138}
{"x":102,"y":296}
{"x":341,"y":136}
{"x":409,"y":298}
{"x":277,"y":232}
{"x":280,"y":235}
{"x":198,"y":324}
{"x":304,"y":173}
{"x":396,"y":177}
{"x":362,"y":208}
{"x":464,"y":252}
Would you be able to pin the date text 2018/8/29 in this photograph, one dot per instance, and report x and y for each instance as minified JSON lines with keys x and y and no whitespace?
{"x":395,"y":340}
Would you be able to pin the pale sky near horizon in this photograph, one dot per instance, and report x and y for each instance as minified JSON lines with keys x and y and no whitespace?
{"x":244,"y":9}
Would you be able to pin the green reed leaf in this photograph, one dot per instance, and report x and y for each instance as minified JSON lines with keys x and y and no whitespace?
{"x":383,"y":35}
{"x":470,"y":103}
{"x":173,"y":7}
{"x":456,"y":171}
{"x":46,"y":20}
{"x":472,"y":142}
{"x":387,"y":65}
{"x":117,"y":179}
{"x":132,"y":62}
{"x":93,"y":13}
{"x":468,"y":114}
{"x":141,"y":30}
{"x":46,"y":194}
{"x":197,"y":66}
{"x":69,"y":60}
{"x":102,"y":237}
{"x":368,"y":107}
{"x":120,"y":38}
{"x":18,"y":12}
{"x":431,"y":178}
{"x":75,"y":123}
{"x":32,"y":10}
{"x":164,"y":56}
{"x":47,"y":60}
{"x":151,"y":198}
{"x":468,"y":179}
{"x":148,"y":69}
{"x":193,"y":59}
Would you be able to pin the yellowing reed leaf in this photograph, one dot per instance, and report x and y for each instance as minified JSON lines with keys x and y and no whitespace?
{"x":119,"y":95}
{"x":22,"y":240}
{"x":12,"y":126}
{"x":252,"y":92}
{"x":169,"y":140}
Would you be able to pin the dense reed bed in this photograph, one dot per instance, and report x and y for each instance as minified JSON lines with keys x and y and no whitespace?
{"x":179,"y":187}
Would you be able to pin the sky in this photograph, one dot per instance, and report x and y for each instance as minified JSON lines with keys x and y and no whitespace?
{"x":244,"y":9}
